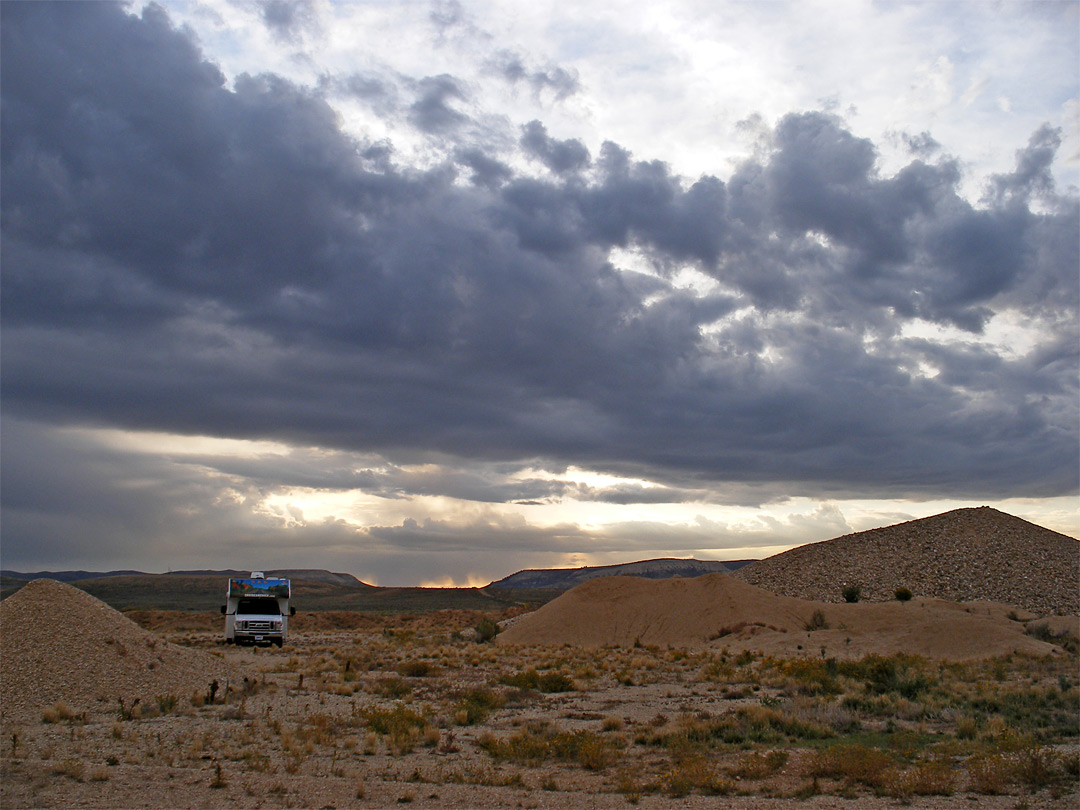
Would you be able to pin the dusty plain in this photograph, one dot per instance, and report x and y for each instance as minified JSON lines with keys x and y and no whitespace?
{"x":411,"y":711}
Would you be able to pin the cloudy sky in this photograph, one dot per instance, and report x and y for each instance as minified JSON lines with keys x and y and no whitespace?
{"x":431,"y":292}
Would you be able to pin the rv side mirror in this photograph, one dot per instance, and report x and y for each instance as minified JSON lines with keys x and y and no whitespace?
{"x":223,"y":610}
{"x":292,"y":611}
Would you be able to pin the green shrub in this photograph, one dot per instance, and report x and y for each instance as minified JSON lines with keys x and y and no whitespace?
{"x":902,"y":594}
{"x":851,"y":593}
{"x":990,"y":774}
{"x":888,"y":674}
{"x":400,"y":724}
{"x":924,"y":779}
{"x":811,"y":676}
{"x":694,"y":773}
{"x":1037,"y":766}
{"x":856,"y":763}
{"x":486,"y":630}
{"x":475,"y":705}
{"x":758,"y":765}
{"x":391,"y":687}
{"x":549,"y":682}
{"x":416,"y":669}
{"x":588,"y":749}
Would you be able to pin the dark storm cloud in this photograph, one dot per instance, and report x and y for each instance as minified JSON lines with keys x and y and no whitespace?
{"x":486,"y":171}
{"x":66,"y":498}
{"x":559,"y":156}
{"x":186,"y":257}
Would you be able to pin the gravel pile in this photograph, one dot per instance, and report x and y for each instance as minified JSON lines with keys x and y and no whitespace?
{"x":963,"y":555}
{"x":58,"y":643}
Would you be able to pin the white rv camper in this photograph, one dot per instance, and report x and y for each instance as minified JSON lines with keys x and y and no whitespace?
{"x":257,"y":610}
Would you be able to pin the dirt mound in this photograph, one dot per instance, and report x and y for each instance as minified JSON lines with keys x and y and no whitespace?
{"x":679,"y":612}
{"x":962,"y":555}
{"x":720,"y":611}
{"x":58,"y":643}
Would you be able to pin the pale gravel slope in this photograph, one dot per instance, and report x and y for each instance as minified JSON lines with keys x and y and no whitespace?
{"x":58,"y":643}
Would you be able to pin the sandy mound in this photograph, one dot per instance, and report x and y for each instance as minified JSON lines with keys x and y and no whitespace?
{"x":961,"y":555}
{"x":719,"y":611}
{"x":59,"y":643}
{"x":679,"y":612}
{"x":1065,"y":627}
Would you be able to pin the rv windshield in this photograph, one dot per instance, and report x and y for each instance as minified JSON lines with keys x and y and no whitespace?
{"x":259,"y":607}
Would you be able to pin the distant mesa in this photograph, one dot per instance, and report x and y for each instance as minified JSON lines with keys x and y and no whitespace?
{"x":566,"y":578}
{"x":192,"y":590}
{"x":67,"y":576}
{"x":961,"y":555}
{"x":306,"y":574}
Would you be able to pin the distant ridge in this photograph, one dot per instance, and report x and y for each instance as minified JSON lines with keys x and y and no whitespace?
{"x":308,"y":574}
{"x":962,"y":555}
{"x":566,"y":578}
{"x":68,"y":576}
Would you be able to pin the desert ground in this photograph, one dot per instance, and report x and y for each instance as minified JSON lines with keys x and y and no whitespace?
{"x":420,"y":710}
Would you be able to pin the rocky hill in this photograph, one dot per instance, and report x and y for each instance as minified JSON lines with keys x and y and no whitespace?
{"x":962,"y":555}
{"x":566,"y":578}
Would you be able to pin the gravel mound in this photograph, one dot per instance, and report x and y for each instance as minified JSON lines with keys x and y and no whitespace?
{"x":58,"y":643}
{"x":961,"y":556}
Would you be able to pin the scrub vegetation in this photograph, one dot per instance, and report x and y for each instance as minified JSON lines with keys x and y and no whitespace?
{"x":420,"y":708}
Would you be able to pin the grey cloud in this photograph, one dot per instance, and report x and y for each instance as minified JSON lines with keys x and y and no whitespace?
{"x":922,"y":145}
{"x":288,"y":19}
{"x":688,"y":539}
{"x":559,"y":156}
{"x":432,"y":112}
{"x":486,"y":170}
{"x":186,"y":257}
{"x":1032,"y":176}
{"x":446,"y":14}
{"x":69,"y":501}
{"x":383,"y":94}
{"x":636,"y":493}
{"x":504,"y":536}
{"x":561,"y":82}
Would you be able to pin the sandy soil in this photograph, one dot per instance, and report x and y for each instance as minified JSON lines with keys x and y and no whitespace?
{"x":420,"y":713}
{"x":299,"y":738}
